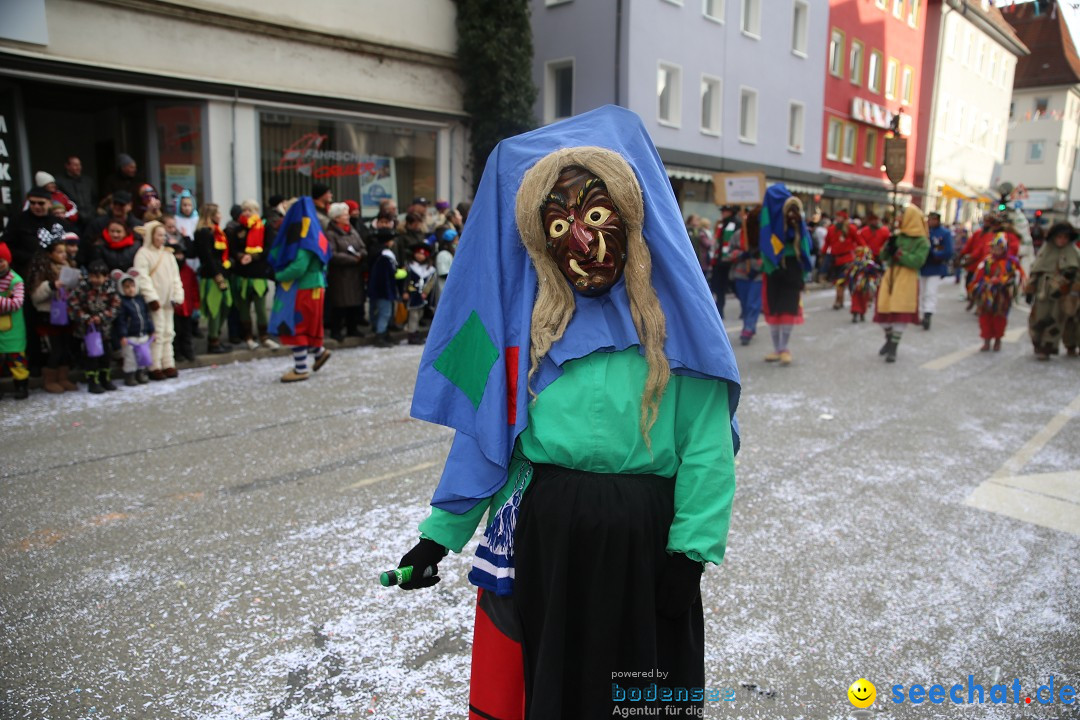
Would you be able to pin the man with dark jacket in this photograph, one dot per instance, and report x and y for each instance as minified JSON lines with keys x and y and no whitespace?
{"x":80,"y":188}
{"x":32,"y":229}
{"x":124,"y":178}
{"x":94,"y":236}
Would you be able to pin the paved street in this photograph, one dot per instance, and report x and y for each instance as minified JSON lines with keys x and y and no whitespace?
{"x":209,"y":547}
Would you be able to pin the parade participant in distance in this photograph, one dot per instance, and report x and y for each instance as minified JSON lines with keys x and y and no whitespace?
{"x":936,"y":267}
{"x":874,"y":235}
{"x":746,"y":272}
{"x":862,"y":281}
{"x":784,"y":241}
{"x":1054,"y":294}
{"x":898,"y":294}
{"x":298,"y":258}
{"x":580,"y":357}
{"x":840,"y":242}
{"x":993,"y":288}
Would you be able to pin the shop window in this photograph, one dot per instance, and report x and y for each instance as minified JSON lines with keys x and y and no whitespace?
{"x":179,"y":150}
{"x":362,"y":161}
{"x":669,"y":94}
{"x":710,"y":104}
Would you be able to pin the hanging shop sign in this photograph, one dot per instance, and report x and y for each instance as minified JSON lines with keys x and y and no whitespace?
{"x":878,"y":116}
{"x":738,"y":188}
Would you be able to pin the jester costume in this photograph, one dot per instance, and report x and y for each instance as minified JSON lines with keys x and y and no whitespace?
{"x":298,"y":258}
{"x":13,"y":326}
{"x":997,"y":280}
{"x":250,"y":278}
{"x":862,"y":276}
{"x":785,"y":260}
{"x":605,"y":492}
{"x":1054,"y":294}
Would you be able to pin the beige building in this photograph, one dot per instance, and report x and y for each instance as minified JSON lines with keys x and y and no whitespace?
{"x":234,"y":99}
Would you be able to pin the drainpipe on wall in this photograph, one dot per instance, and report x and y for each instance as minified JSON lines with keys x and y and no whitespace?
{"x":232,"y":145}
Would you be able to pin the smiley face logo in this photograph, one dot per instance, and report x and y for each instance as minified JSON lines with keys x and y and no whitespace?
{"x":862,"y":693}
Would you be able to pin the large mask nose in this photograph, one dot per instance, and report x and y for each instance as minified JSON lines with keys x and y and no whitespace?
{"x":580,"y":238}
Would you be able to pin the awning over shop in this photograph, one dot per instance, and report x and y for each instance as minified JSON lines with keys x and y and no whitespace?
{"x":799,"y":188}
{"x":682,"y":173}
{"x":957,"y":192}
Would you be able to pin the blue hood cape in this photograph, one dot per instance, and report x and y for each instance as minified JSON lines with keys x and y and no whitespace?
{"x":300,"y":230}
{"x":473,"y":375}
{"x":773,"y":231}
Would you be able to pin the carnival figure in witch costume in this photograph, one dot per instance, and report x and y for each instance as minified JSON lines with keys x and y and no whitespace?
{"x":579,"y":355}
{"x":298,"y":258}
{"x":784,"y":241}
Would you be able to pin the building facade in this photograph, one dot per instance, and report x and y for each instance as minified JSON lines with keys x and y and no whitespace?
{"x":873,"y":72}
{"x":236,"y":100}
{"x":721,"y":85}
{"x":969,"y":61}
{"x":1044,"y":120}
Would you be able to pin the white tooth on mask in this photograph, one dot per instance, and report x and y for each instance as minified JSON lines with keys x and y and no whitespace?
{"x":577,"y":268}
{"x":602,"y":250}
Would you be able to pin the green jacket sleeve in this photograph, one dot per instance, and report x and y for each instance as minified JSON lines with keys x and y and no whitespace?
{"x":705,"y":481}
{"x":297,"y":268}
{"x":913,"y":251}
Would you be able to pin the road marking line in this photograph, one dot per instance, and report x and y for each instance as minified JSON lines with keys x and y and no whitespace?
{"x":952,"y":358}
{"x":397,"y":473}
{"x":1050,"y":500}
{"x":1017,"y":462}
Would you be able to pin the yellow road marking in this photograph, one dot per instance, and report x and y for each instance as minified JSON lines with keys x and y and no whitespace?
{"x":397,"y":473}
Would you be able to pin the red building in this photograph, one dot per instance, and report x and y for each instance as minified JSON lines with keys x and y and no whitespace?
{"x":872,"y":72}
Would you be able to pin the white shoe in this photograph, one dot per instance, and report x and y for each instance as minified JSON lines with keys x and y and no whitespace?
{"x":252,"y":345}
{"x":270,"y":344}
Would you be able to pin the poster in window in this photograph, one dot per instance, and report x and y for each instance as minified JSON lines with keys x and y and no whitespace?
{"x":378,"y":184}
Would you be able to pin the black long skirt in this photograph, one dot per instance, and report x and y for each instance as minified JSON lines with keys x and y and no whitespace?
{"x":589,"y":550}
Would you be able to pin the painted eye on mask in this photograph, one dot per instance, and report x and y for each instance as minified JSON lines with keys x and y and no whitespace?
{"x":558,"y":228}
{"x":597,"y":216}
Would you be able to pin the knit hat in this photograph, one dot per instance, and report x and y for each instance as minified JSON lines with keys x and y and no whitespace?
{"x":442,"y":205}
{"x":120,"y":277}
{"x":5,"y":252}
{"x":42,"y":178}
{"x":420,"y":201}
{"x":71,"y":238}
{"x":318,"y":190}
{"x":337,"y":209}
{"x":39,"y":192}
{"x":275,"y":200}
{"x":124,"y":159}
{"x":449,"y":235}
{"x":121,"y":197}
{"x":353,"y":206}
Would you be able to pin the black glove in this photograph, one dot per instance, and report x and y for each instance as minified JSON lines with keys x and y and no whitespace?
{"x":1029,"y":297}
{"x":425,"y":554}
{"x":679,"y":586}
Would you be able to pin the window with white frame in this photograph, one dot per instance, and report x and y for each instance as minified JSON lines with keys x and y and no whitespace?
{"x":675,"y":2}
{"x":873,"y":72}
{"x":713,"y":9}
{"x":1008,"y":153}
{"x":800,"y":28}
{"x":796,"y":126}
{"x":992,"y":74}
{"x":943,"y":118}
{"x":950,"y":37}
{"x":898,"y":8}
{"x":855,"y":62}
{"x":907,"y":82}
{"x":980,"y":58}
{"x":870,"y":149}
{"x":851,"y":135}
{"x":710,"y":104}
{"x":982,"y":137}
{"x":836,"y":52}
{"x":558,"y":89}
{"x":748,"y":112}
{"x":751,"y":17}
{"x":549,"y":3}
{"x":880,"y":3}
{"x":913,"y":13}
{"x":969,"y":48}
{"x":1036,"y":149}
{"x":669,"y":94}
{"x":835,"y":139}
{"x":891,"y":76}
{"x":957,"y":130}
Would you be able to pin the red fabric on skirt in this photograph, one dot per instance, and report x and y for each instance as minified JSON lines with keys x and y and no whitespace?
{"x":860,"y":301}
{"x":309,"y":326}
{"x":992,"y":327}
{"x":497,"y":685}
{"x":782,"y":319}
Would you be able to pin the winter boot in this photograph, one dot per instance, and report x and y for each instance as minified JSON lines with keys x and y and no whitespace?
{"x":926,"y":321}
{"x":887,"y":346}
{"x":49,"y":381}
{"x":854,"y":317}
{"x":415,"y":339}
{"x":62,"y":378}
{"x":156,"y":375}
{"x":106,"y":380}
{"x":997,"y":345}
{"x":170,"y":373}
{"x":985,"y":346}
{"x":129,"y":379}
{"x":142,"y":377}
{"x":22,"y":389}
{"x":893,"y":344}
{"x":92,"y":384}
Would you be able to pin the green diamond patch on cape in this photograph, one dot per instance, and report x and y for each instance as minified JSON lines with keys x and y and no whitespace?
{"x":467,"y":359}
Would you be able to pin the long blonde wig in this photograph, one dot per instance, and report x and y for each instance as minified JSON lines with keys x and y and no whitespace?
{"x":555,"y":301}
